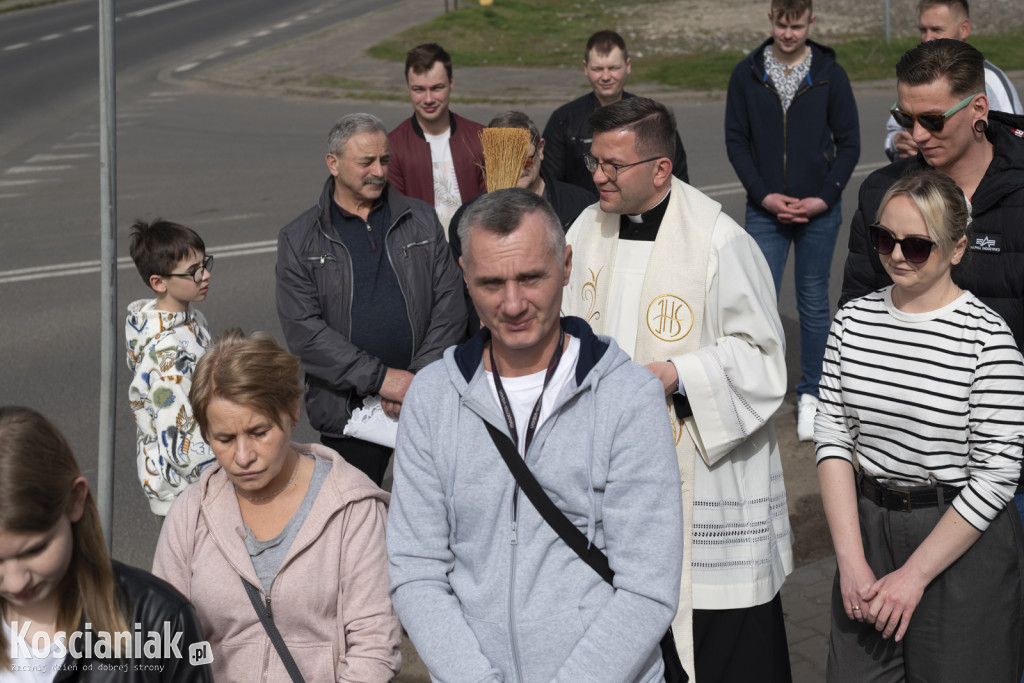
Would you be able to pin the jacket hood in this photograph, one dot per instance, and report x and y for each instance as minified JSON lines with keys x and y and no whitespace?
{"x":219,"y":506}
{"x":1005,"y":174}
{"x":145,"y":322}
{"x":467,"y":356}
{"x":824,"y":57}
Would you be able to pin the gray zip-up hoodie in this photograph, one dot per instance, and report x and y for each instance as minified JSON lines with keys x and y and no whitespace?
{"x":487,"y":595}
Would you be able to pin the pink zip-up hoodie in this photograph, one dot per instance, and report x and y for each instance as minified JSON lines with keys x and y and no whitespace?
{"x":329,"y":599}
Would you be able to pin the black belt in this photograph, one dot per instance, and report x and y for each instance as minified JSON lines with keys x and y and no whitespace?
{"x":904,"y":498}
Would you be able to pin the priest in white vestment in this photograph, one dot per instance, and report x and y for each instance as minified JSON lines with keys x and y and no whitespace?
{"x":686,"y":292}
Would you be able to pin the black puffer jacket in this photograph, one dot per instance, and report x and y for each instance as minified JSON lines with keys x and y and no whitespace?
{"x":994,"y":267}
{"x":157,"y":606}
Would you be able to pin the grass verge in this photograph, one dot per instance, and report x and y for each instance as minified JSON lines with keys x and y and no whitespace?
{"x":551,"y":33}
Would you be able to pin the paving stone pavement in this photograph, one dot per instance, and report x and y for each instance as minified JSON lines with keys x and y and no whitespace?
{"x":805,"y":604}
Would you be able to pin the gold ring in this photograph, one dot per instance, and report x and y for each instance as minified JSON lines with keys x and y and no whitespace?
{"x":855,"y":608}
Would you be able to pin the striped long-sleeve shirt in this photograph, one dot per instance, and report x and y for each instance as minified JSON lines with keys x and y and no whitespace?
{"x":926,"y":398}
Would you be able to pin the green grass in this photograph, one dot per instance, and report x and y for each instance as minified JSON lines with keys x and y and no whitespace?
{"x":510,"y":32}
{"x":551,"y":33}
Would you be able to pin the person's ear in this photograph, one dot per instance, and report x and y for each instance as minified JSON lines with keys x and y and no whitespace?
{"x":540,"y":151}
{"x":158,"y":283}
{"x":332,"y":164}
{"x":959,"y":249}
{"x":629,"y":64}
{"x":76,"y":501}
{"x":568,"y":264}
{"x":662,"y":171}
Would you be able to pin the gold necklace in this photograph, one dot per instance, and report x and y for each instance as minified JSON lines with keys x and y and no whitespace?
{"x":275,"y":494}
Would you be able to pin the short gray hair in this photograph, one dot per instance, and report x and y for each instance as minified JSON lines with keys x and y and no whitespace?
{"x":349,"y":125}
{"x":501,"y":212}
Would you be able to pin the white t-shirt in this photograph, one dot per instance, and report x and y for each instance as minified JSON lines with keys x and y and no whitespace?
{"x":523,"y":391}
{"x":447,"y":198}
{"x":40,"y":666}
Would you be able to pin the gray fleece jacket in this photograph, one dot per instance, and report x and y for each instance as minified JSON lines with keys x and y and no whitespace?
{"x":486,"y":597}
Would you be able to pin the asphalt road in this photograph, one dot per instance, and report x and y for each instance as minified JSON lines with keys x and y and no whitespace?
{"x":235,"y":167}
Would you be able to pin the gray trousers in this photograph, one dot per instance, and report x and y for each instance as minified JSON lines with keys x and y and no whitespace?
{"x":969,"y":625}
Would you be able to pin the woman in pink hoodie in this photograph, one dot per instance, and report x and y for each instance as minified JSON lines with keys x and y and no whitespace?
{"x":278,"y":536}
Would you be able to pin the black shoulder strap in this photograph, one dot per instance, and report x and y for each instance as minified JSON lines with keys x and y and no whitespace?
{"x":556,"y":519}
{"x":575,"y":539}
{"x":275,"y":636}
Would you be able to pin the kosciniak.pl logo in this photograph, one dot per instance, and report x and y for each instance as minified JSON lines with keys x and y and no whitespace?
{"x":88,"y":644}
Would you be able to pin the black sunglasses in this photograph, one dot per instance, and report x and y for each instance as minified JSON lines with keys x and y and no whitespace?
{"x":915,"y":249}
{"x":930,"y":122}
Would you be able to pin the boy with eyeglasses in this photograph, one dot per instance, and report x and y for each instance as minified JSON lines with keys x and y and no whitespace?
{"x":793,"y":138}
{"x":166,"y":336}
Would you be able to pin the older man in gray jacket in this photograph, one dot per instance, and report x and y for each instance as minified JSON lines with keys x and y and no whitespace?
{"x":486,"y":589}
{"x":368,"y":292}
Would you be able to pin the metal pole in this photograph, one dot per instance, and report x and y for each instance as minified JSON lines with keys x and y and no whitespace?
{"x":888,"y":21}
{"x":108,"y":272}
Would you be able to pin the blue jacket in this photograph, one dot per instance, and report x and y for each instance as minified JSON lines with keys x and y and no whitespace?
{"x":486,"y":599}
{"x":809,"y":150}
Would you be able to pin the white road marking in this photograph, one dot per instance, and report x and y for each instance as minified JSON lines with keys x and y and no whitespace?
{"x":159,"y":8}
{"x":37,"y":169}
{"x":16,"y":46}
{"x":240,"y":43}
{"x":12,"y":195}
{"x":186,"y":67}
{"x":283,"y":24}
{"x":262,"y":33}
{"x":79,"y":29}
{"x":75,"y":145}
{"x":219,"y":53}
{"x":39,"y":158}
{"x":52,"y":36}
{"x":19,"y":183}
{"x":89,"y":267}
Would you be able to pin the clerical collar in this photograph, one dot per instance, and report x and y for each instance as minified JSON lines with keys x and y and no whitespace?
{"x":644,"y":227}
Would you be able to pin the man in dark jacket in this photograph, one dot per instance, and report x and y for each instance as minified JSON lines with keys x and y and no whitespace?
{"x":606,"y":65}
{"x":367,"y":290}
{"x":792,"y":135}
{"x":983,"y":151}
{"x":436,"y":156}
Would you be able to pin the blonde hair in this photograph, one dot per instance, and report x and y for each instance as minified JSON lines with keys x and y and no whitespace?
{"x":37,"y":471}
{"x":945,"y":209}
{"x":250,"y":371}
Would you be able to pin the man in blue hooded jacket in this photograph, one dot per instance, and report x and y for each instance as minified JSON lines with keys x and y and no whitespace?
{"x":792,"y":135}
{"x":484,"y":586}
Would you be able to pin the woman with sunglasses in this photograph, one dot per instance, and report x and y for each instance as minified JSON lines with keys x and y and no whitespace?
{"x":924,"y":384}
{"x":279,"y":545}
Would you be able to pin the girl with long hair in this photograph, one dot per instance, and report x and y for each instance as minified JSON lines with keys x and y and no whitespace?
{"x":59,"y":588}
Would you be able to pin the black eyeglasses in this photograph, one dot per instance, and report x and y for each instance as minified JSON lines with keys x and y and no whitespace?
{"x":930,"y":122}
{"x":608,"y":168}
{"x":197,"y":273}
{"x":915,"y":249}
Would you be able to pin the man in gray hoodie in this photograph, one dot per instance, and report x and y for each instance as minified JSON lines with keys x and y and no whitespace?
{"x":484,"y":586}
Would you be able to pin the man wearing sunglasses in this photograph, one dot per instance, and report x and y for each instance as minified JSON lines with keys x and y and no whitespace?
{"x":687,"y":293}
{"x":951,"y":19}
{"x":941,"y":103}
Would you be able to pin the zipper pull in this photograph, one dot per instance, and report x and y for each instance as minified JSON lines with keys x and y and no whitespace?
{"x":323,"y":257}
{"x":514,"y":540}
{"x":270,"y":613}
{"x":369,"y":236}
